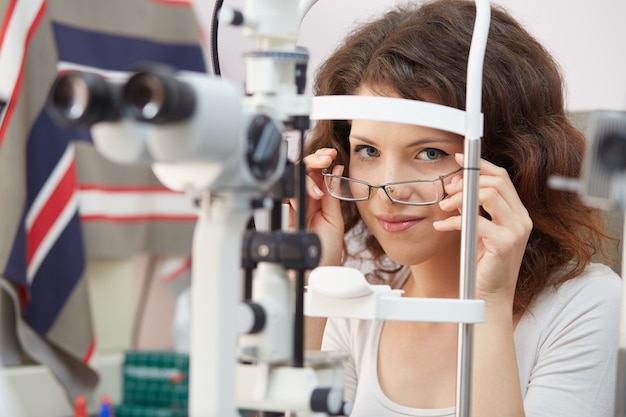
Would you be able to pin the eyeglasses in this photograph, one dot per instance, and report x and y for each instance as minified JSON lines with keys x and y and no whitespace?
{"x":410,"y":193}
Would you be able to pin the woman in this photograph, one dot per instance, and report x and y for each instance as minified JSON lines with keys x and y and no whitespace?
{"x":549,"y":341}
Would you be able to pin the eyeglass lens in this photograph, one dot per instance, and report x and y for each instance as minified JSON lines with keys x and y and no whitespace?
{"x":418,"y":192}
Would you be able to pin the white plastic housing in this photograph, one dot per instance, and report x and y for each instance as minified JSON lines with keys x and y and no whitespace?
{"x":123,"y":141}
{"x":344,"y":292}
{"x":211,"y":135}
{"x":272,"y":19}
{"x":272,"y":289}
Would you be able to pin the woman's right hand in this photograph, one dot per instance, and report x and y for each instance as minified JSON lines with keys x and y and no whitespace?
{"x":323,"y":212}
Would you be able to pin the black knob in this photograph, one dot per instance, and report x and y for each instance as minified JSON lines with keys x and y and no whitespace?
{"x":264,"y":141}
{"x":327,"y":400}
{"x":612,"y":151}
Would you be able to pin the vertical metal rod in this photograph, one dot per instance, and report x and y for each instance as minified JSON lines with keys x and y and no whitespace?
{"x":468,"y":276}
{"x":298,"y":337}
{"x":298,"y":334}
{"x":620,"y":397}
{"x":471,"y":163}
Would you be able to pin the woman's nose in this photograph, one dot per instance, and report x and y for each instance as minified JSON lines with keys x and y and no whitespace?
{"x":397,"y":192}
{"x":382,"y":193}
{"x":389,"y":192}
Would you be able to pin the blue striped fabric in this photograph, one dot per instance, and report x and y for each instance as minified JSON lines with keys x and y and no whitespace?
{"x":121,"y":53}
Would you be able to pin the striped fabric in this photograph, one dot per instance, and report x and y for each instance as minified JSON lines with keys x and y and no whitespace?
{"x":57,"y":195}
{"x":125,"y":210}
{"x":121,"y":206}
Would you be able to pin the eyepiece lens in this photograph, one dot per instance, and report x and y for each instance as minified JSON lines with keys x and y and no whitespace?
{"x":71,"y":97}
{"x":146,"y":95}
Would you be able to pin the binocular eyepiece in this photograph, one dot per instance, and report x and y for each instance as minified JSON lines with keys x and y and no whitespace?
{"x":83,"y":99}
{"x":159,"y":116}
{"x":153,"y":95}
{"x":156,"y":96}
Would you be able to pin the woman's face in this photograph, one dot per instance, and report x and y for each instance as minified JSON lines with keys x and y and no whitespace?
{"x":385,"y":152}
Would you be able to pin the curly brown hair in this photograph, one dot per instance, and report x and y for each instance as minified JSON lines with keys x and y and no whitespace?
{"x":422,"y":52}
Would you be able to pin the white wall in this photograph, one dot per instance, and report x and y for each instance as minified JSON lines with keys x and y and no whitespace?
{"x":587,"y":37}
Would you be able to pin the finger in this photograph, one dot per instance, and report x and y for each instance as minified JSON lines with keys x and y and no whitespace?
{"x":449,"y":224}
{"x":507,"y":222}
{"x":489,"y":232}
{"x":330,"y":204}
{"x":491,"y":175}
{"x":313,"y":189}
{"x":319,"y":187}
{"x":319,"y":200}
{"x":313,"y":193}
{"x":338,"y":170}
{"x":498,"y":210}
{"x":322,"y":158}
{"x":495,"y":238}
{"x":490,"y":199}
{"x":505,"y":186}
{"x":502,"y":202}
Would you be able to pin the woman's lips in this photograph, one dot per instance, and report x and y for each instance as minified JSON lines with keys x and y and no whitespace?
{"x":398,"y":224}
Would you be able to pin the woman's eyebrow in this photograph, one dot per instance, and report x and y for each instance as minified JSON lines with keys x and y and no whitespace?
{"x":418,"y":142}
{"x":361,"y":139}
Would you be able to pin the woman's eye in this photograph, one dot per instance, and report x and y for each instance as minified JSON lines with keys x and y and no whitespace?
{"x":431,"y":154}
{"x":365,"y":151}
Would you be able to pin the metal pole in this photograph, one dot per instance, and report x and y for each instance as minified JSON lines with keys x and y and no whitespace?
{"x":620,"y":397}
{"x":471,"y":163}
{"x":468,"y":277}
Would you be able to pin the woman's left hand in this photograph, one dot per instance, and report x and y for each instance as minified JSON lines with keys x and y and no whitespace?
{"x":501,"y":239}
